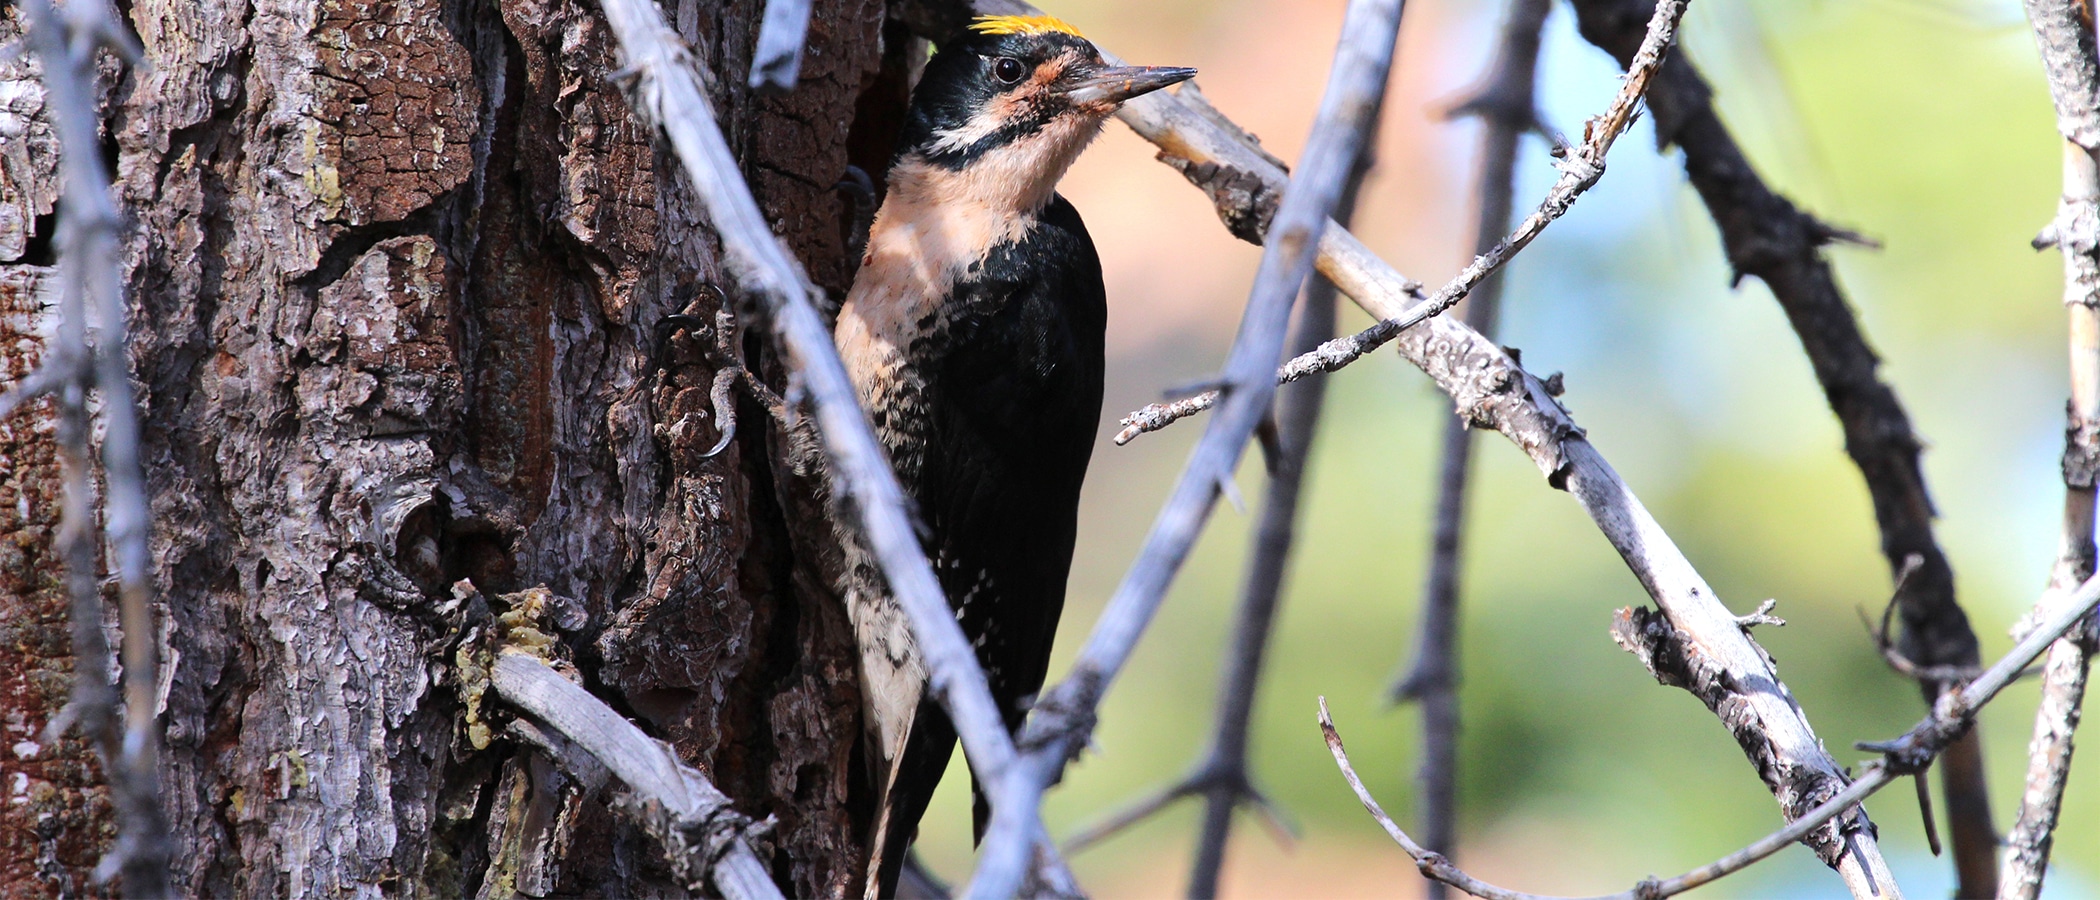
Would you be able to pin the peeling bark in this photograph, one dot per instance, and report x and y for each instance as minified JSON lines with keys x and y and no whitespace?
{"x":397,"y":270}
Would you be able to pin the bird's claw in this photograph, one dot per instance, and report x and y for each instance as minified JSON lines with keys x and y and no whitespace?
{"x":726,"y":354}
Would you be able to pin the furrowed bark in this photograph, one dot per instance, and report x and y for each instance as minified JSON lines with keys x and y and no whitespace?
{"x":668,"y":95}
{"x":398,"y":269}
{"x":127,"y":739}
{"x":676,"y":804}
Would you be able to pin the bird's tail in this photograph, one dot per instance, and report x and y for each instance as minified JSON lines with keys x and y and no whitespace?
{"x":907,"y":788}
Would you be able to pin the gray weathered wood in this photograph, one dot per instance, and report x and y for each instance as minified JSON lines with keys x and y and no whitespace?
{"x":397,"y":268}
{"x":2063,"y":32}
{"x":128,"y":742}
{"x":1064,"y":716}
{"x":1490,"y":390}
{"x":649,"y":768}
{"x":666,"y":93}
{"x":1666,"y":652}
{"x":778,"y":62}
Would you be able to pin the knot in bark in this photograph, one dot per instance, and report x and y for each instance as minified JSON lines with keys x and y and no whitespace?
{"x":1778,"y":233}
{"x":1063,"y":717}
{"x":1583,"y":169}
{"x":1244,"y":200}
{"x":2081,"y":462}
{"x":2076,"y":228}
{"x":1649,"y":636}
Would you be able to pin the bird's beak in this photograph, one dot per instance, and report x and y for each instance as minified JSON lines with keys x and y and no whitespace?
{"x":1107,"y":88}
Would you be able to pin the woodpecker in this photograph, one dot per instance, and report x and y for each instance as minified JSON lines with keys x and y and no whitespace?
{"x":973,"y":334}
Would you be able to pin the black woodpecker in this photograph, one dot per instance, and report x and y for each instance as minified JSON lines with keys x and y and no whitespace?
{"x":974,"y":336}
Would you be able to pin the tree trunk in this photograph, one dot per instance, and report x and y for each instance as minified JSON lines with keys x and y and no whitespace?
{"x":397,"y":269}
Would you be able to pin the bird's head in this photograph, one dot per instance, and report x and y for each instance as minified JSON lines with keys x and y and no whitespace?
{"x":1023,"y":93}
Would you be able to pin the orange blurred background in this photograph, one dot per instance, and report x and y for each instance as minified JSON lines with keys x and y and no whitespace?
{"x":1924,"y":123}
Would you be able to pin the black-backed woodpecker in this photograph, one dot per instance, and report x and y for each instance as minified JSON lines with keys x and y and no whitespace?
{"x":973,"y":333}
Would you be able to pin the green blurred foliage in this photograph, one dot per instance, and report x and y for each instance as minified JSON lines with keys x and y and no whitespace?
{"x":1924,"y":124}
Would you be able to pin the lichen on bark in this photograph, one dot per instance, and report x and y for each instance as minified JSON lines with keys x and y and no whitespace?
{"x":396,"y":270}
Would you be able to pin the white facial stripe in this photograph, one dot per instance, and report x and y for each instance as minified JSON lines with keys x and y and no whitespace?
{"x":1002,"y":109}
{"x":982,"y":125}
{"x":933,"y":226}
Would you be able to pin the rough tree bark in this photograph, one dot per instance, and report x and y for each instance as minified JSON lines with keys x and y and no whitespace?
{"x":397,"y":268}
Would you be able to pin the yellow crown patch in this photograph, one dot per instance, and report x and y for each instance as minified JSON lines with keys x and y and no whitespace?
{"x":1029,"y":25}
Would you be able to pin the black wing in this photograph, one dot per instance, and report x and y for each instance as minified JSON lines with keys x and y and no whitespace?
{"x":1012,"y":431}
{"x":1014,"y":397}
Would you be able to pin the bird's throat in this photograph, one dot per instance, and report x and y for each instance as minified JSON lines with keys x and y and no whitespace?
{"x":935,"y":224}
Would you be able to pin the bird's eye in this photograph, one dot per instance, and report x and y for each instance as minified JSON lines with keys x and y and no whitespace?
{"x":1008,"y":70}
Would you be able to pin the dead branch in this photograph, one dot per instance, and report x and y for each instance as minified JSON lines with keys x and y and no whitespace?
{"x":1578,"y":172}
{"x":1491,"y":391}
{"x":1203,"y":781}
{"x":66,"y":47}
{"x":1767,"y":236}
{"x":1507,"y":108}
{"x":1061,"y":720}
{"x":1221,"y":778}
{"x":778,"y":61}
{"x":1884,"y":638}
{"x":1770,"y":725}
{"x":1224,"y":778}
{"x":664,"y":91}
{"x":2063,"y":32}
{"x":702,"y":836}
{"x":1666,"y":651}
{"x":42,"y":380}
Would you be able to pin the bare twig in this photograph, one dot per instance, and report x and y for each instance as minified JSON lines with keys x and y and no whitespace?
{"x":1432,"y":864}
{"x":781,"y":36}
{"x":1578,"y":172}
{"x":1207,"y":777}
{"x":2028,"y":845}
{"x":1730,"y":673}
{"x":1507,"y":111}
{"x":1221,"y":778}
{"x":1909,"y":753}
{"x":1884,"y":637}
{"x":703,"y":836}
{"x":1229,"y":781}
{"x":92,"y":273}
{"x":1492,"y":391}
{"x":1902,"y":665}
{"x":2063,"y":31}
{"x":40,"y":381}
{"x":1932,"y":832}
{"x":1060,"y":722}
{"x":664,"y":91}
{"x":1767,"y":236}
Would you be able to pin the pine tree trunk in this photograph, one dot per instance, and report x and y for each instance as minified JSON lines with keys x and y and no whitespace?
{"x":397,"y":268}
